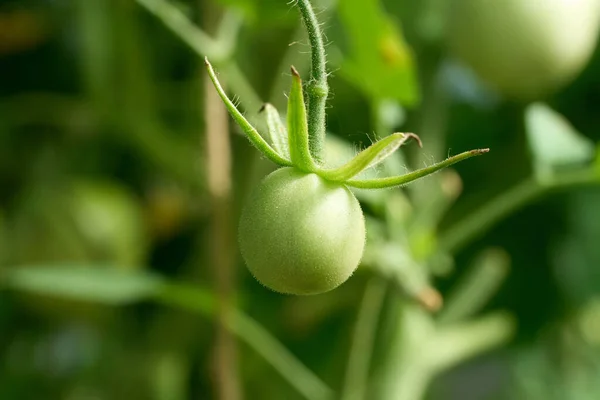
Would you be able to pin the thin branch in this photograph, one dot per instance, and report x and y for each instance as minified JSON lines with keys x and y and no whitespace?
{"x":254,"y":335}
{"x":220,"y":51}
{"x":284,"y":362}
{"x":218,"y":166}
{"x":174,"y":19}
{"x":357,"y":371}
{"x":479,"y":221}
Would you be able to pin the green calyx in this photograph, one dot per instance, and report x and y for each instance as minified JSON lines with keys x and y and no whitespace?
{"x":300,"y":144}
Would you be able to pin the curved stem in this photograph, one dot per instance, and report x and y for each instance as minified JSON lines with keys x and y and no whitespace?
{"x":317,"y":88}
{"x":186,"y":30}
{"x":219,"y":50}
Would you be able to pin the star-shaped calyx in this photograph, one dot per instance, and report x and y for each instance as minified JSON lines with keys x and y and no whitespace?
{"x":290,"y":147}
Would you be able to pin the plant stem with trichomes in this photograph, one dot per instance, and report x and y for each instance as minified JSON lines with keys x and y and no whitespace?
{"x":317,"y":88}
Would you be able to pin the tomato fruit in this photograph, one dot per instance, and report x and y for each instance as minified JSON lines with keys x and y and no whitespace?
{"x":524,"y":48}
{"x":300,"y":234}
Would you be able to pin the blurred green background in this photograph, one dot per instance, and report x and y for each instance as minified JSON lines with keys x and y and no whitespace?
{"x":112,"y":237}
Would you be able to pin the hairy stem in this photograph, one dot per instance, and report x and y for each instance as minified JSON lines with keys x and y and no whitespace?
{"x":317,"y":88}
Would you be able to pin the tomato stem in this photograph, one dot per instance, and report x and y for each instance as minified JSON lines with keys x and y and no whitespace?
{"x":317,"y":88}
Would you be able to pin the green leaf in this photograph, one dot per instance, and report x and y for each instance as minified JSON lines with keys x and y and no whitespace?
{"x":370,"y":157}
{"x":255,"y":138}
{"x":107,"y":285}
{"x":395,"y":181}
{"x":277,"y":131}
{"x":298,"y":127}
{"x":112,"y":286}
{"x":380,"y":62}
{"x":553,"y":141}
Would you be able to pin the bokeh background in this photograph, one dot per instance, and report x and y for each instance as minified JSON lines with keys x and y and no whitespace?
{"x":120,"y":276}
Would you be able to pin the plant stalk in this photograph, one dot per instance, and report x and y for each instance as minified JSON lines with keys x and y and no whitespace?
{"x":357,"y":371}
{"x":317,"y":88}
{"x":218,"y":166}
{"x":482,"y":219}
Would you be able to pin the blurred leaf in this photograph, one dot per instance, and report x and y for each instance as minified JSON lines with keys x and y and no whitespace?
{"x":380,"y":62}
{"x":553,"y":141}
{"x":112,"y":286}
{"x":107,"y":285}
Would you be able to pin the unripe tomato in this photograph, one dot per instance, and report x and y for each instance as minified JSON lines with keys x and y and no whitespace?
{"x":524,"y":48}
{"x":300,"y":234}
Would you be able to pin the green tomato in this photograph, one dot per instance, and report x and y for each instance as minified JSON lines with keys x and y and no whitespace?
{"x":524,"y":48}
{"x":300,"y":234}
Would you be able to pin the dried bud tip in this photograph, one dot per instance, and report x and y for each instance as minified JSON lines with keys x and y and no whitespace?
{"x":480,"y":151}
{"x":415,"y":137}
{"x":294,"y":71}
{"x":206,"y":61}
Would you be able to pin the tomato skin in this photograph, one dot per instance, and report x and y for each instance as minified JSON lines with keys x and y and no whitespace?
{"x":300,"y":234}
{"x":524,"y":48}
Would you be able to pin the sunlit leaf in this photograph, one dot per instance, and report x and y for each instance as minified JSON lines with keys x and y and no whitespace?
{"x":380,"y":62}
{"x":107,"y":285}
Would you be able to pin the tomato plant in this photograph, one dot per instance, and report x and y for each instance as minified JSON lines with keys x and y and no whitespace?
{"x":524,"y":49}
{"x":303,"y":230}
